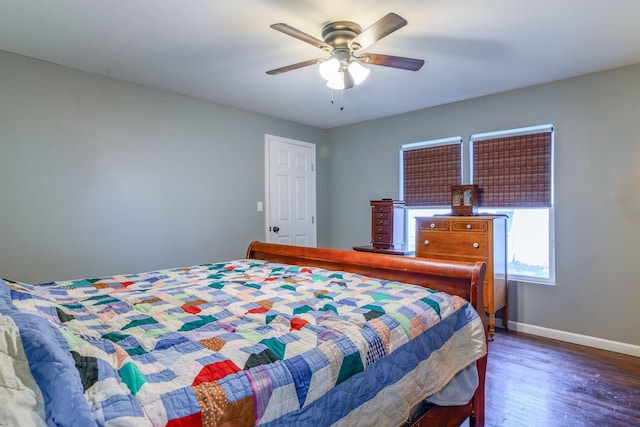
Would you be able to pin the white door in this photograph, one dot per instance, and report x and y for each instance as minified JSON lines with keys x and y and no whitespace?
{"x":290,"y":191}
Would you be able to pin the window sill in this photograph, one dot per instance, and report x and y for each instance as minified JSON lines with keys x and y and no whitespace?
{"x":531,"y":281}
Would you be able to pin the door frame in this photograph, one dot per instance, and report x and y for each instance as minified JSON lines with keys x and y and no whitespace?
{"x":267,"y":174}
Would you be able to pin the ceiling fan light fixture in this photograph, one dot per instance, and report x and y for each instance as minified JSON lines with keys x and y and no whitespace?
{"x":329,"y":69}
{"x":337,"y":81}
{"x":358,"y":72}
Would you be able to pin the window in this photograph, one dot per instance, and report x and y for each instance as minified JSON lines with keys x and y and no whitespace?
{"x":513,"y":170}
{"x":428,"y":170}
{"x":530,"y":248}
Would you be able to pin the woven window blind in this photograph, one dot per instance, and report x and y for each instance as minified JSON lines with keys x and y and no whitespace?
{"x":514,"y":171}
{"x":429,"y":172}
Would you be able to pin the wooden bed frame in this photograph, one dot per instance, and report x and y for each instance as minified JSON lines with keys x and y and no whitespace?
{"x":455,"y":278}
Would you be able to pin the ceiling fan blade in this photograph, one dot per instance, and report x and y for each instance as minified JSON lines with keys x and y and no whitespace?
{"x":382,"y":28}
{"x":294,"y":66}
{"x":293,"y":32}
{"x":410,"y":64}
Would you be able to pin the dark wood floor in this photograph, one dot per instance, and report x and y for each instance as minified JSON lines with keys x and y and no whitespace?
{"x":539,"y":382}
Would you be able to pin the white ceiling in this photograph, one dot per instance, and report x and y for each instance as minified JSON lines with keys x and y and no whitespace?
{"x":219,"y":50}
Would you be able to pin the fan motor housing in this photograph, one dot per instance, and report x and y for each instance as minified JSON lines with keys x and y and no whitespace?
{"x":340,"y":33}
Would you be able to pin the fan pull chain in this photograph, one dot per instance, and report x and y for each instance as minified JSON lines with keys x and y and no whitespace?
{"x":341,"y":99}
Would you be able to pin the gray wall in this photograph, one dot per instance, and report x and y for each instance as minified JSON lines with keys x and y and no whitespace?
{"x":100,"y":176}
{"x":597,"y":191}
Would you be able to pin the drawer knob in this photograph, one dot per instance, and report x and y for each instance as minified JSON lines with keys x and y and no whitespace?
{"x":432,"y":225}
{"x":468,"y":226}
{"x":380,"y":222}
{"x":380,"y":229}
{"x":476,"y":245}
{"x":426,"y":243}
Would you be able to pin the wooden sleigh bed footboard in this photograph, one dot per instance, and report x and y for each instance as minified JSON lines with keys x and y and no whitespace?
{"x":455,"y":278}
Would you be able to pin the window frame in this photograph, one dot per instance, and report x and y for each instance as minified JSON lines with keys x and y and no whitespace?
{"x":551,"y":280}
{"x":432,"y":143}
{"x":543,"y":183}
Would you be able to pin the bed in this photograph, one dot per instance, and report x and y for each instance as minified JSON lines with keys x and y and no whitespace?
{"x":285,"y":336}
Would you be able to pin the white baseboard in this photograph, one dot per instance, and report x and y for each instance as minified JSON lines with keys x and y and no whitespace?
{"x":615,"y":346}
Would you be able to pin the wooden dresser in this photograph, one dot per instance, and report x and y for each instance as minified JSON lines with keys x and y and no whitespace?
{"x":387,"y":224}
{"x":470,"y":238}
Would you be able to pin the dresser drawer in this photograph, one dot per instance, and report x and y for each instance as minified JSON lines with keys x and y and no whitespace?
{"x":382,"y":238}
{"x":433,"y":224}
{"x":380,"y":221}
{"x":381,"y":215}
{"x":378,"y":229}
{"x":477,"y":226}
{"x":381,"y":209}
{"x":467,"y":244}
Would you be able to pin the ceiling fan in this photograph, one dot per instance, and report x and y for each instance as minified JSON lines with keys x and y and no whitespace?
{"x":342,"y":39}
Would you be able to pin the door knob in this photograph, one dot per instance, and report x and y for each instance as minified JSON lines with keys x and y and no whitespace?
{"x":276,"y":229}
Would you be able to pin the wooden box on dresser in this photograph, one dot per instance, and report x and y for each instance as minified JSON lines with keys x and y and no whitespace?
{"x":470,"y":238}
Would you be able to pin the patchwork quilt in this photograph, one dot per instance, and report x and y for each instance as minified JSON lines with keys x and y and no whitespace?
{"x":245,"y":342}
